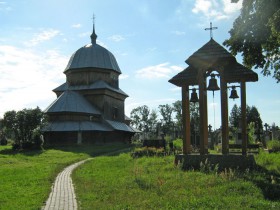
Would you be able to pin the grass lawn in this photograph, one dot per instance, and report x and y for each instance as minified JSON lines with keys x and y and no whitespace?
{"x":121,"y":182}
{"x":26,"y":177}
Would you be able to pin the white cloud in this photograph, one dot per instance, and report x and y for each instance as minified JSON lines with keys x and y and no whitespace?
{"x":78,"y":25}
{"x":216,"y":10}
{"x":44,"y":35}
{"x":123,"y":76}
{"x":178,"y":33}
{"x":28,"y":77}
{"x":85,"y":34}
{"x":116,"y":38}
{"x":163,"y":70}
{"x":230,"y":8}
{"x":202,"y":6}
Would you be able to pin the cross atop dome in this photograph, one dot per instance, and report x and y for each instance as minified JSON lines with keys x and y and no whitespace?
{"x":93,"y":36}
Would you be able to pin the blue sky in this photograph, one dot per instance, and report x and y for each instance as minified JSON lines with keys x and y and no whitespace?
{"x":150,"y":39}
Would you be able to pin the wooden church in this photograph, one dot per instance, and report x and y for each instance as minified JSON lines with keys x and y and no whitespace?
{"x":90,"y":105}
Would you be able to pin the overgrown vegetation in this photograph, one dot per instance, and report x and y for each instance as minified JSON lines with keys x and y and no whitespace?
{"x":274,"y":145}
{"x":123,"y":182}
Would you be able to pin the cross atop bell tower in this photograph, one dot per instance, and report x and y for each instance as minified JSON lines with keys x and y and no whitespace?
{"x":211,"y":29}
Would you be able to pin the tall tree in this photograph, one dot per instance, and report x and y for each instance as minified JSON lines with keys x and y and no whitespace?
{"x":9,"y":123}
{"x":166,"y":114}
{"x":252,"y":115}
{"x":194,"y":114}
{"x":153,"y":121}
{"x":177,"y":108}
{"x":140,"y":118}
{"x":23,"y":123}
{"x":256,"y":34}
{"x":235,"y":116}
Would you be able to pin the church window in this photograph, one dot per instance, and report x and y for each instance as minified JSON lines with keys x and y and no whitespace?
{"x":115,"y":112}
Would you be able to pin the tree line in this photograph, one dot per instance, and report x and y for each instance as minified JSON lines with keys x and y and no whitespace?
{"x":23,"y":127}
{"x":167,"y":119}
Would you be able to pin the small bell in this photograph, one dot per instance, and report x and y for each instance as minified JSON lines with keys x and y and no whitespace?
{"x":233,"y":93}
{"x":213,"y":83}
{"x":194,"y":97}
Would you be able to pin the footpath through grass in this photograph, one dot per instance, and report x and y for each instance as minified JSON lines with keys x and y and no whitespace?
{"x":26,"y":177}
{"x":121,"y":182}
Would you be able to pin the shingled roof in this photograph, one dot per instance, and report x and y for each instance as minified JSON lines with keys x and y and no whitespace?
{"x":213,"y":57}
{"x":210,"y":54}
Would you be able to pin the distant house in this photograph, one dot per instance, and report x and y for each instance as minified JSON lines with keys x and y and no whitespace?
{"x":90,"y":105}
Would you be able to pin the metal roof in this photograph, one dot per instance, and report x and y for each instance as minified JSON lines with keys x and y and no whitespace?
{"x":120,"y":126}
{"x":93,"y":55}
{"x":76,"y":126}
{"x":94,"y":86}
{"x":70,"y":101}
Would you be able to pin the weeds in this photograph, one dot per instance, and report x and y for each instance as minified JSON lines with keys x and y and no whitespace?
{"x":148,"y":151}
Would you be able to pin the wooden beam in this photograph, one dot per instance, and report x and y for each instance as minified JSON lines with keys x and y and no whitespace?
{"x":186,"y":120}
{"x":224,"y":115}
{"x":203,"y":126}
{"x":243,"y":118}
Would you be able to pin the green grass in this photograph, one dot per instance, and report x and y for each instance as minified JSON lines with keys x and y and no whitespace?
{"x":269,"y":161}
{"x":121,"y":182}
{"x":26,"y":177}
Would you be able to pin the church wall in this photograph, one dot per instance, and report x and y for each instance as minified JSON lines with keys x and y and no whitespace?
{"x":112,"y":108}
{"x":88,"y":137}
{"x":89,"y":76}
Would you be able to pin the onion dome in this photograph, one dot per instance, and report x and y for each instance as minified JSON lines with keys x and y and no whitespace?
{"x":93,"y":56}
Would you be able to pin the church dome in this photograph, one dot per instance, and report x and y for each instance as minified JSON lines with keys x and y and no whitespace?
{"x":93,"y":55}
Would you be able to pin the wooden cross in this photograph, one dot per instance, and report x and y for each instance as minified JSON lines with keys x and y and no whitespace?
{"x":211,"y":29}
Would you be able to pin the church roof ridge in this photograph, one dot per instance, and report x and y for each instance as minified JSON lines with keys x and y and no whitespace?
{"x":99,"y":84}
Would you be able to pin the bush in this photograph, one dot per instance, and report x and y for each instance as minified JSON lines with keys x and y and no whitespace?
{"x":147,"y":151}
{"x":16,"y":146}
{"x":274,"y":145}
{"x":178,"y":144}
{"x":3,"y":141}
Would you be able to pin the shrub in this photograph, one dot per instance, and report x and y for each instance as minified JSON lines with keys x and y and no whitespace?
{"x":147,"y":151}
{"x":274,"y":145}
{"x":3,"y":141}
{"x":178,"y":144}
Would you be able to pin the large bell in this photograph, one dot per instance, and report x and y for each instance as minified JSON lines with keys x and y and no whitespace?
{"x":194,"y":97}
{"x":233,"y":93}
{"x":213,"y":83}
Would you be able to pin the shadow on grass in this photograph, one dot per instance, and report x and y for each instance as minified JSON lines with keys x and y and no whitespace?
{"x":10,"y":151}
{"x":93,"y":150}
{"x":267,"y":181}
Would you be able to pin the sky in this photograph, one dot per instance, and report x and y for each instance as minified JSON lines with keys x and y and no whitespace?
{"x":151,"y":39}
